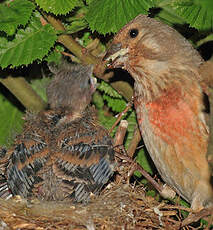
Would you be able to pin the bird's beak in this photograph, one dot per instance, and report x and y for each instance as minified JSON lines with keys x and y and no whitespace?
{"x":114,"y":55}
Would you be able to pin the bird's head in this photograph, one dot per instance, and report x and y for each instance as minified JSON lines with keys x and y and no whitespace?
{"x":72,"y":87}
{"x":150,"y":47}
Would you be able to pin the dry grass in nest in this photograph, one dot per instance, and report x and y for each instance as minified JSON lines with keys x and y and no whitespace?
{"x":118,"y":207}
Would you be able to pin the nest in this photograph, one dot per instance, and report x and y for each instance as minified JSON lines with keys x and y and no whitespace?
{"x":119,"y":206}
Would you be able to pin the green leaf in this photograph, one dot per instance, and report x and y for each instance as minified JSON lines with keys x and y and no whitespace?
{"x":77,"y":20}
{"x":85,"y":39}
{"x":116,"y":104}
{"x":98,"y":100}
{"x":131,"y":118}
{"x":10,"y":121}
{"x":88,"y":1}
{"x":30,"y":44}
{"x":151,"y":193}
{"x":58,"y":7}
{"x":76,"y":26}
{"x":106,"y":121}
{"x":198,"y":14}
{"x":168,"y":15}
{"x":55,"y":55}
{"x":143,"y":160}
{"x":107,"y":89}
{"x":106,"y":16}
{"x":16,"y":13}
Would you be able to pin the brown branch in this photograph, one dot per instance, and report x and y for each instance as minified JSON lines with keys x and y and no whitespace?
{"x":121,"y":132}
{"x":70,"y":43}
{"x":123,"y":88}
{"x":194,"y":217}
{"x":86,"y":57}
{"x":129,"y":105}
{"x":24,"y":93}
{"x":164,"y":191}
{"x":134,"y":142}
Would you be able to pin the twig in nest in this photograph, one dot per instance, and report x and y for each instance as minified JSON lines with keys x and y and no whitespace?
{"x":134,"y":142}
{"x":197,"y":216}
{"x":164,"y":190}
{"x":129,"y":105}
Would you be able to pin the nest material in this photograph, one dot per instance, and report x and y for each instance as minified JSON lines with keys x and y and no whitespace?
{"x":118,"y":207}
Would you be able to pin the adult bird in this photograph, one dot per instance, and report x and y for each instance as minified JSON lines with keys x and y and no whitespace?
{"x":169,"y":103}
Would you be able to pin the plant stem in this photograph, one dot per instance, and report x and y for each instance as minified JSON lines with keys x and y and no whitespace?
{"x":24,"y":93}
{"x":71,"y":44}
{"x":86,"y":57}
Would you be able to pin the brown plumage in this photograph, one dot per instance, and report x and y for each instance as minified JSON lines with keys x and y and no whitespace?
{"x":70,"y":83}
{"x":169,"y":103}
{"x":63,"y":153}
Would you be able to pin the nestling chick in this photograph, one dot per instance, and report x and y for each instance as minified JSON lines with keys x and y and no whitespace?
{"x":70,"y":82}
{"x":169,"y":103}
{"x":63,"y":153}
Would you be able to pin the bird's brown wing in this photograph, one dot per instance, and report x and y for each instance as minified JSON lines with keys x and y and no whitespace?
{"x":28,"y":155}
{"x":27,"y":158}
{"x":84,"y":158}
{"x":4,"y":190}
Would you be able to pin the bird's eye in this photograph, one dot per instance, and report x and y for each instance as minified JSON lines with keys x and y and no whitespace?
{"x":133,"y":33}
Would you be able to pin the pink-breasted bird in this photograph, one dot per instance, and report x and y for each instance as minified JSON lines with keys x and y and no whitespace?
{"x":169,"y":103}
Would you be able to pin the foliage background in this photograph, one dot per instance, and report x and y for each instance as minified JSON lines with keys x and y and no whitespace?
{"x":33,"y":33}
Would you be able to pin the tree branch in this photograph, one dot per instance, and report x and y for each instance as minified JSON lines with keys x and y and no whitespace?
{"x":24,"y":93}
{"x":134,"y":142}
{"x":70,"y":43}
{"x":86,"y":57}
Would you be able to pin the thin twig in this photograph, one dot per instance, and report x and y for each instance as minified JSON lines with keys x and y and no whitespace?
{"x":70,"y":43}
{"x":137,"y":167}
{"x":193,"y":217}
{"x":129,"y":105}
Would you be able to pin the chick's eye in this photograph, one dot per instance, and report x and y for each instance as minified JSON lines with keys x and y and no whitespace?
{"x":133,"y":33}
